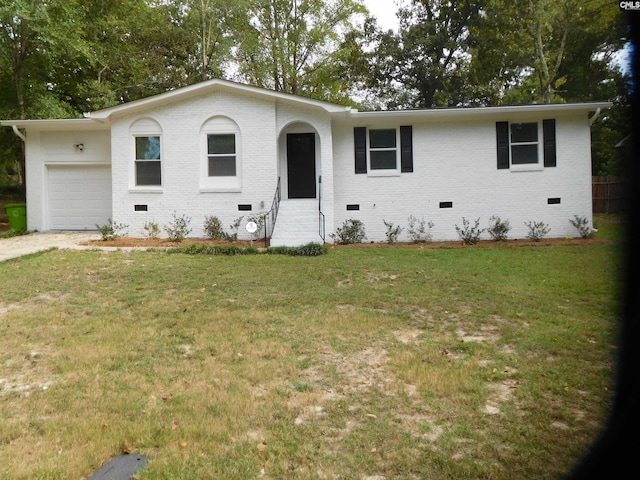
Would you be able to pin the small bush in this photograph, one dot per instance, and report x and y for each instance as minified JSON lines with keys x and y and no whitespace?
{"x":352,"y":231}
{"x":178,"y":228}
{"x":308,"y":250}
{"x":13,"y":233}
{"x":213,"y":228}
{"x":537,"y":230}
{"x":233,"y":236}
{"x":152,"y":229}
{"x":468,"y":234}
{"x":582,"y":225}
{"x":112,"y":230}
{"x":498,"y":229}
{"x":419,"y":230}
{"x":393,"y":232}
{"x":229,"y":250}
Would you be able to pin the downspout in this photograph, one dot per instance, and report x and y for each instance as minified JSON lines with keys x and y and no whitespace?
{"x":594,"y":117}
{"x":19,"y":133}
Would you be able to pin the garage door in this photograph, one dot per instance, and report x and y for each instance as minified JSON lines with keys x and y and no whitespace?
{"x":79,"y":197}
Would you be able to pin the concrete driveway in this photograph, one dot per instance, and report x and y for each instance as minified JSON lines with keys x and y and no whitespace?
{"x":36,"y":242}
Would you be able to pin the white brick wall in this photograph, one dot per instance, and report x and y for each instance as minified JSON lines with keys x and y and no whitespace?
{"x":263,"y":124}
{"x":456,"y":162}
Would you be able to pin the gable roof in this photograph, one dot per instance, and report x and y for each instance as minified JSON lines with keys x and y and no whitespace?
{"x":100,"y":119}
{"x":208,"y":86}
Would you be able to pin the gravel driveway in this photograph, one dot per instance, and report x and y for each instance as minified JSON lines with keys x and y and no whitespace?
{"x":35,"y":242}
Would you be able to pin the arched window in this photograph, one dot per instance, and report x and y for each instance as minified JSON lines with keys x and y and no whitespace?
{"x":147,"y":157}
{"x":221,"y":166}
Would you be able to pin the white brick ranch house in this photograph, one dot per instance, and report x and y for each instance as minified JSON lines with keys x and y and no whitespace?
{"x":224,"y":149}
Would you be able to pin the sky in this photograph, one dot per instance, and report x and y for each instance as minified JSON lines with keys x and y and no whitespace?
{"x":384,"y":11}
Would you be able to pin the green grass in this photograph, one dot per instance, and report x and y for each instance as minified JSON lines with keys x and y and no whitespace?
{"x":401,"y":363}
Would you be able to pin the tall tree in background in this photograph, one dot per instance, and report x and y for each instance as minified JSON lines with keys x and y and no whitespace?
{"x":291,"y":45}
{"x":424,"y":64}
{"x":547,"y":50}
{"x":209,"y":29}
{"x":59,"y":58}
{"x":33,"y":37}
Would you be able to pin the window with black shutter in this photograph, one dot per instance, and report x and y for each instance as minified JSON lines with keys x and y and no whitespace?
{"x":519,"y":147}
{"x":382,"y":150}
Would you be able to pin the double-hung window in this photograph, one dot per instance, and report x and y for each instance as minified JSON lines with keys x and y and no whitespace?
{"x":523,"y":146}
{"x":148,"y":171}
{"x":221,"y":154}
{"x":383,"y":149}
{"x":524,"y":143}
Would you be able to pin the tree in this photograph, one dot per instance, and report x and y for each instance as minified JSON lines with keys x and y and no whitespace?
{"x":291,"y":46}
{"x":33,"y":36}
{"x":546,"y":50}
{"x":426,"y":63}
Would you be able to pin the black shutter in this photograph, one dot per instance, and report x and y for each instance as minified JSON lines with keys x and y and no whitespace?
{"x":502,"y":138}
{"x":406,"y":148}
{"x":549,"y":140}
{"x":360,"y":145}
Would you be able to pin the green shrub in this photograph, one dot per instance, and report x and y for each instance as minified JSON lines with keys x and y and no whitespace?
{"x":229,"y":250}
{"x":178,"y":227}
{"x":213,"y":228}
{"x":152,"y":229}
{"x":582,"y":225}
{"x":112,"y":230}
{"x":393,"y":232}
{"x":419,"y":230}
{"x":233,"y":236}
{"x":498,"y":229}
{"x":352,"y":231}
{"x":308,"y":250}
{"x":537,"y":230}
{"x":468,"y":234}
{"x":13,"y":233}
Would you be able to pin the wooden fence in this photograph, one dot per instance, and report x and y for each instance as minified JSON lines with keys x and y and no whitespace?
{"x":608,"y":194}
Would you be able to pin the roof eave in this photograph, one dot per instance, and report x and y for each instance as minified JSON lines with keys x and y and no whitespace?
{"x":458,"y":112}
{"x":202,"y":88}
{"x":57,"y":124}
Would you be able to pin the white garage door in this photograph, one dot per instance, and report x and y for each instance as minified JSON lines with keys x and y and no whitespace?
{"x":79,"y":196}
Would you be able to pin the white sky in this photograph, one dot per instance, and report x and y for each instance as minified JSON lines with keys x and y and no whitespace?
{"x":384,"y":11}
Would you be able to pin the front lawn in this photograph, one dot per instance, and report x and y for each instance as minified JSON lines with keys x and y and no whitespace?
{"x":367,"y":363}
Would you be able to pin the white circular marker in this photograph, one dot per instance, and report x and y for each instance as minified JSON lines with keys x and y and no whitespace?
{"x":251,"y":227}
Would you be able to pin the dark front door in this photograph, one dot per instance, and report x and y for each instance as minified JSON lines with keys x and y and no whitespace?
{"x":301,"y":165}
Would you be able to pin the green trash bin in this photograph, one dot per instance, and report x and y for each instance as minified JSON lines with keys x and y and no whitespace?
{"x":17,"y":213}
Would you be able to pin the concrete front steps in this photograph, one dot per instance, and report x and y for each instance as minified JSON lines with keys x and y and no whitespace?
{"x":297,"y":223}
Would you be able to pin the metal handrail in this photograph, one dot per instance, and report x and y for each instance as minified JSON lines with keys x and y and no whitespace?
{"x":321,"y":226}
{"x":321,"y":231}
{"x":271,"y":216}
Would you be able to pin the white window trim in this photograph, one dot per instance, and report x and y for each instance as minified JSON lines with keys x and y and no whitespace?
{"x":133,"y":187}
{"x":219,"y":184}
{"x":528,"y":167}
{"x":387,"y":172}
